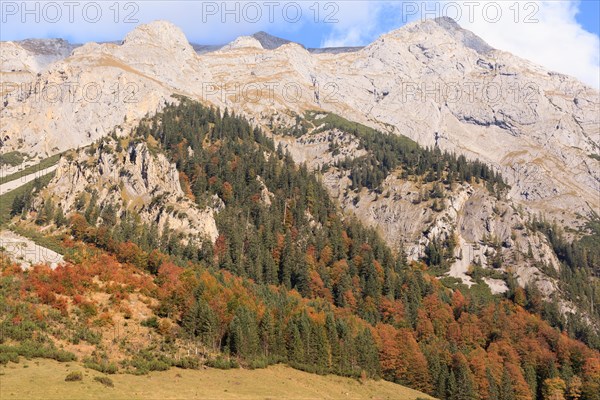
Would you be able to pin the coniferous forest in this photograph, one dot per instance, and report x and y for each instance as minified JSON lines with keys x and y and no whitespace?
{"x":291,"y":279}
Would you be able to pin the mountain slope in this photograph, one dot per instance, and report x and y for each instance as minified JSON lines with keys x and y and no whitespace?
{"x":539,"y":131}
{"x":289,"y":278}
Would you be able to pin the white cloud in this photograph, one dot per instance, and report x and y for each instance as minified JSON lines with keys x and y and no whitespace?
{"x":359,"y":22}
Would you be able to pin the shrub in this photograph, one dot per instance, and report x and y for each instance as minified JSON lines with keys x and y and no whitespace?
{"x":7,"y":356}
{"x":151,"y":322}
{"x":187,"y":363}
{"x":12,"y":158}
{"x":30,"y":349}
{"x":106,"y":381}
{"x":146,"y":362}
{"x":86,"y":334}
{"x":223,"y":363}
{"x":259,"y":363}
{"x":101,"y":366}
{"x":74,"y":376}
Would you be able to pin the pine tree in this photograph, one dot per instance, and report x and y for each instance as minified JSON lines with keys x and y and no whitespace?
{"x":201,"y":323}
{"x":243,"y":339}
{"x":465,"y":386}
{"x":287,"y":262}
{"x":506,"y":391}
{"x":266,"y":330}
{"x":366,"y":350}
{"x":295,"y":347}
{"x":452,"y":387}
{"x":332,"y":338}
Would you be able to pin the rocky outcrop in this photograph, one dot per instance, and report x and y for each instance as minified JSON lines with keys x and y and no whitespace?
{"x":134,"y":179}
{"x":21,"y":60}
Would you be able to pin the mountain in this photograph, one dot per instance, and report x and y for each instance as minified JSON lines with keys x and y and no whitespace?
{"x":543,"y":141}
{"x":390,"y":209}
{"x":269,"y":42}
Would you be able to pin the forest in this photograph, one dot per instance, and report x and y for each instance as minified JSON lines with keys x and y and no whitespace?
{"x":291,"y":279}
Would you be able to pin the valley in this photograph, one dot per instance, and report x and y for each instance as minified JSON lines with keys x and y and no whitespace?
{"x":184,"y":234}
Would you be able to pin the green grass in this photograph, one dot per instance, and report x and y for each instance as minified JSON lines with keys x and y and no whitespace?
{"x":331,"y":121}
{"x":50,"y":242}
{"x":6,"y":200}
{"x":46,"y":163}
{"x":45,"y":379}
{"x":12,"y":158}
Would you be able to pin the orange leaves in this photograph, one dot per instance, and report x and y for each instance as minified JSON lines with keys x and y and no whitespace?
{"x":280,"y":240}
{"x":471,"y":335}
{"x":458,"y":302}
{"x":317,"y":287}
{"x":78,"y":225}
{"x":227,"y":192}
{"x":479,"y":365}
{"x":522,"y":391}
{"x":424,"y":326}
{"x":349,"y":299}
{"x":389,"y":352}
{"x":339,"y":269}
{"x":131,"y":253}
{"x":439,"y":313}
{"x":221,"y":246}
{"x":591,"y":368}
{"x":326,"y":256}
{"x":392,"y":311}
{"x":310,"y":259}
{"x":168,"y":276}
{"x":401,"y":358}
{"x":186,"y":186}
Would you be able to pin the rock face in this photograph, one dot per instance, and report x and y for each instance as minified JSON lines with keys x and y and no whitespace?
{"x":131,"y":179}
{"x":431,"y":81}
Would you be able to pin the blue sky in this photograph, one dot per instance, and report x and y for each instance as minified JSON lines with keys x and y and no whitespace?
{"x":562,"y":35}
{"x":589,"y":16}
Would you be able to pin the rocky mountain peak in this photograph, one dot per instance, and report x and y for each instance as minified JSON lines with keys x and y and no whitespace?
{"x":48,"y":47}
{"x":467,"y":38}
{"x":244,"y":42}
{"x":158,"y":33}
{"x":441,"y":28}
{"x":269,"y":41}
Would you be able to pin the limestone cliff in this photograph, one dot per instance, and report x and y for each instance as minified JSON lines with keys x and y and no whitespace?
{"x":132,"y":178}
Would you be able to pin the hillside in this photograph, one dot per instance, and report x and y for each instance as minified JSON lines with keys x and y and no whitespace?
{"x":421,"y":200}
{"x":290,"y":278}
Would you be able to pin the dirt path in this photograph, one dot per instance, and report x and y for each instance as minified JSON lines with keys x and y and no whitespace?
{"x":12,"y":185}
{"x":25,"y":252}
